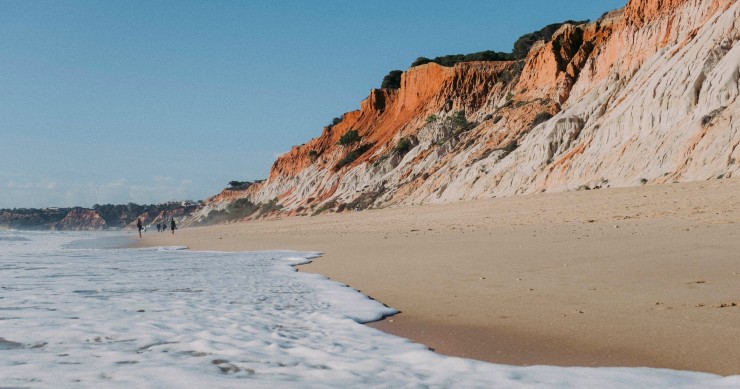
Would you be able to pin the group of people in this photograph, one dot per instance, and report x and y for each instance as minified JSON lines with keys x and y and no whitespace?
{"x":161,"y":227}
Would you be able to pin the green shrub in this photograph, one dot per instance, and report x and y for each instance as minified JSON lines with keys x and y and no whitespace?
{"x":325,"y":207}
{"x":349,"y":138}
{"x":392,"y":80}
{"x":352,"y":156}
{"x":313,"y":155}
{"x":242,"y":203}
{"x":432,"y":119}
{"x":458,"y":122}
{"x":453,"y":125}
{"x":270,"y":206}
{"x":420,"y":61}
{"x":239,"y":185}
{"x":241,"y":208}
{"x":403,"y":146}
{"x":451,"y":60}
{"x":364,"y":201}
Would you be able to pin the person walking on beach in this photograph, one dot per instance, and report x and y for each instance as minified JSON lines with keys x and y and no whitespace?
{"x":139,"y":226}
{"x":159,"y":227}
{"x":172,"y":225}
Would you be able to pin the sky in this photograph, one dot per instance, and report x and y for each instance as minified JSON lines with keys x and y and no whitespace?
{"x":154,"y":101}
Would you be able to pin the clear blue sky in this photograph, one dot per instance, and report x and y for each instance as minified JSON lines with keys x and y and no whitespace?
{"x":151,"y":101}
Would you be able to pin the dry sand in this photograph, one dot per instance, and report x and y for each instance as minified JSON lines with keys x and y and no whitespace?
{"x":646,"y":276}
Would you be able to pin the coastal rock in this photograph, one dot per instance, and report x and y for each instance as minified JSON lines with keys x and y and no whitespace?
{"x":646,"y":94}
{"x":31,"y":219}
{"x":79,"y":219}
{"x":106,"y":216}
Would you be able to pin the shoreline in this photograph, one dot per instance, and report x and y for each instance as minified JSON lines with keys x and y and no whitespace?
{"x":642,"y":276}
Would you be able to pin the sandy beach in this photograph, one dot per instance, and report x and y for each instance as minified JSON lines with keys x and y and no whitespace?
{"x":645,"y":276}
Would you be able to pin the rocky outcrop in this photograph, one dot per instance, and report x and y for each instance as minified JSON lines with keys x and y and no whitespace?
{"x":31,"y":219}
{"x":646,"y":94}
{"x":80,"y":219}
{"x":101,"y":217}
{"x":55,"y":219}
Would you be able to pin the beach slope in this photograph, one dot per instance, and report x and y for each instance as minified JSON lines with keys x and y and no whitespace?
{"x":643,"y":276}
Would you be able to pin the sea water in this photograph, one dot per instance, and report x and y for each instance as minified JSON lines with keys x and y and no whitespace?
{"x":76,"y":313}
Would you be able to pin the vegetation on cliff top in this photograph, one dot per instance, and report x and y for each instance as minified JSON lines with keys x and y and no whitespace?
{"x":32,"y":218}
{"x":451,"y":60}
{"x":392,"y":80}
{"x":519,"y":51}
{"x":526,"y":41}
{"x":239,"y":185}
{"x":115,"y":216}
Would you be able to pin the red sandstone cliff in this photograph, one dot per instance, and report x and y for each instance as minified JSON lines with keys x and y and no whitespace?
{"x":644,"y":94}
{"x":81,"y":220}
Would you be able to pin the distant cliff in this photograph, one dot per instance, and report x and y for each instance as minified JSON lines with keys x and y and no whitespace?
{"x":646,"y":94}
{"x":31,"y":219}
{"x":79,"y":219}
{"x":100,"y":217}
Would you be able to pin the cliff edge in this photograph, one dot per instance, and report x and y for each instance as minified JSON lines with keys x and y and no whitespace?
{"x":646,"y":94}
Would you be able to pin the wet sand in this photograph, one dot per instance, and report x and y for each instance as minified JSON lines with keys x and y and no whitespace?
{"x":646,"y":276}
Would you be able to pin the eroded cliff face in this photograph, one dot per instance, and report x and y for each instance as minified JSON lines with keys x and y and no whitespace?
{"x":54,"y":219}
{"x":42,"y":219}
{"x":647,"y":94}
{"x":81,"y":220}
{"x":151,"y":219}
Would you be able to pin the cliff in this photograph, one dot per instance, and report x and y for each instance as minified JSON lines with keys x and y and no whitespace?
{"x":80,"y":219}
{"x":646,"y":94}
{"x":31,"y":219}
{"x":101,"y":217}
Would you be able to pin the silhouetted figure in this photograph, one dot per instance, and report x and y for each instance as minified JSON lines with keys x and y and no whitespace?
{"x":139,"y":226}
{"x":159,"y":227}
{"x":173,"y":226}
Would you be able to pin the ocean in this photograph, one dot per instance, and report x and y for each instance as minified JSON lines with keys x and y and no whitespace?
{"x":77,"y":311}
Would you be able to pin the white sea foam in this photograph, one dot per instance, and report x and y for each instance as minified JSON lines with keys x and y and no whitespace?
{"x":174,"y":318}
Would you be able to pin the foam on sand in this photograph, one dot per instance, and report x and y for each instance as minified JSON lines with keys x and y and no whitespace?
{"x":164,"y":318}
